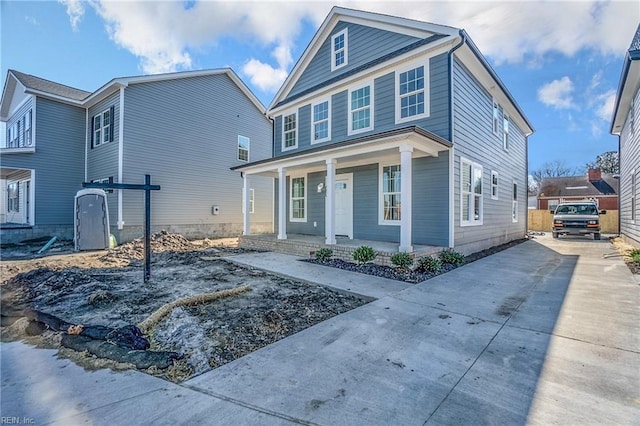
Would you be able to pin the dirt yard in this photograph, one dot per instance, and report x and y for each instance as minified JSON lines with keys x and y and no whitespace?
{"x":106,"y":289}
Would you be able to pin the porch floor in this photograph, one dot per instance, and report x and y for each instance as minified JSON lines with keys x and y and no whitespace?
{"x":307,"y":245}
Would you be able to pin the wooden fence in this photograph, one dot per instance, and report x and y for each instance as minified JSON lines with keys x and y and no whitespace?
{"x":541,"y":220}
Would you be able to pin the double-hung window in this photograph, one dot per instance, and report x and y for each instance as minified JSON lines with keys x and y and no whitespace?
{"x":494,"y":185}
{"x":411,"y":88}
{"x":514,"y":206}
{"x":290,"y":131}
{"x":243,"y":148}
{"x":26,"y":121}
{"x":339,"y":49}
{"x":390,"y":194}
{"x":102,"y":127}
{"x":496,"y":119}
{"x":360,"y":109}
{"x":297,"y":204}
{"x":505,"y":132}
{"x":471,"y":193}
{"x":252,"y":198}
{"x":321,"y":113}
{"x":13,"y":197}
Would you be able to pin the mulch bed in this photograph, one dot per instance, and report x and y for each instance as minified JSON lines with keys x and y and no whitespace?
{"x":410,"y":276}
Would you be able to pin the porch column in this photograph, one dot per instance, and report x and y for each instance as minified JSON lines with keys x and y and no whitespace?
{"x":330,"y":203}
{"x":406,"y":152}
{"x":282,"y":203}
{"x":246,"y":213}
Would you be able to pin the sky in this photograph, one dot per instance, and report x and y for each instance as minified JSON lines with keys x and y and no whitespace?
{"x":561,"y":61}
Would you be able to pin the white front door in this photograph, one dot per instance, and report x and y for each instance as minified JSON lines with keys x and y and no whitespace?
{"x":344,"y":205}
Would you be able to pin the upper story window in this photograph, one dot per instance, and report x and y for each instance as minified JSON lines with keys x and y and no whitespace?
{"x":243,"y":148}
{"x":360,"y":109}
{"x":411,"y":87}
{"x":290,"y":131}
{"x":339,"y":45}
{"x":496,"y":118}
{"x":505,"y":132}
{"x":19,"y":133}
{"x":471,"y":193}
{"x":321,"y":113}
{"x":390,"y":194}
{"x":102,"y":127}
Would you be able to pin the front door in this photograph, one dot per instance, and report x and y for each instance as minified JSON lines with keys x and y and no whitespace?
{"x":344,"y":205}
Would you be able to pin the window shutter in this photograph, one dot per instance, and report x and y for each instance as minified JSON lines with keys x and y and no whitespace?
{"x":111,"y":124}
{"x":92,"y":131}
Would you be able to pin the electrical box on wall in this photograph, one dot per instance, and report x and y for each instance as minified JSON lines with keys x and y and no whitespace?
{"x":215,"y":210}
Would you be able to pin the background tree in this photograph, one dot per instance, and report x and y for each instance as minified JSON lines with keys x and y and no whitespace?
{"x":607,"y":162}
{"x":555,"y":168}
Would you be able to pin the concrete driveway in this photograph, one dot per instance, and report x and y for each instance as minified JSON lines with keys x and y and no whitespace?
{"x":545,"y":332}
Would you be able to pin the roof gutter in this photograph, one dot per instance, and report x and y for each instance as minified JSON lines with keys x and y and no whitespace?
{"x":632,"y":55}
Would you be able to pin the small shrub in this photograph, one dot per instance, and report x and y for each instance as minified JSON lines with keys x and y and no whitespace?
{"x":429,"y":264}
{"x":635,"y":255}
{"x":324,"y":254}
{"x":402,"y":260}
{"x":451,"y":256}
{"x":364,"y":254}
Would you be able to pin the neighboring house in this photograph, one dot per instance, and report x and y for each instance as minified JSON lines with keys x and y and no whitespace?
{"x":390,"y":129}
{"x":602,"y":188}
{"x":184,"y":129}
{"x":626,"y":124}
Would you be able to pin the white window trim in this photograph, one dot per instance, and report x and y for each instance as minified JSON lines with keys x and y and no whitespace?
{"x":506,"y":131}
{"x":248,"y":149}
{"x":495,"y":117}
{"x":473,"y":166}
{"x":514,"y":203}
{"x":306,"y":205}
{"x":252,"y":201}
{"x":313,"y":123}
{"x":284,"y":148}
{"x":97,"y":142}
{"x":381,"y":219}
{"x":496,"y":185}
{"x":634,"y":197}
{"x":351,"y":89}
{"x":345,"y":49}
{"x":407,"y":67}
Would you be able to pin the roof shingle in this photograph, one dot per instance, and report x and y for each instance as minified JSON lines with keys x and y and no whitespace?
{"x":42,"y":85}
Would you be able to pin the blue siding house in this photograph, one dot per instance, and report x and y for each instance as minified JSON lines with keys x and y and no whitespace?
{"x":626,"y":124}
{"x":184,"y":129}
{"x":394,"y":130}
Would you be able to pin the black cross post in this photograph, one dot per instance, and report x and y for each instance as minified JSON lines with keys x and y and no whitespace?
{"x":147,"y":188}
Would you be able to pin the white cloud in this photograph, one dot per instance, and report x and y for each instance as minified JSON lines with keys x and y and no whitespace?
{"x":557,"y":93}
{"x":75,"y":10}
{"x":165,"y":34}
{"x":607,"y":102}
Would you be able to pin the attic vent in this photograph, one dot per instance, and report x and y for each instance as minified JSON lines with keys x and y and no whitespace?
{"x":576,"y":187}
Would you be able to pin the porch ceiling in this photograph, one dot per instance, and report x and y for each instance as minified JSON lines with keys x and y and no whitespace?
{"x":367,"y":150}
{"x":7,"y":172}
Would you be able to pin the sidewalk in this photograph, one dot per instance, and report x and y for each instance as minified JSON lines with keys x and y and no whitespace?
{"x":545,"y":332}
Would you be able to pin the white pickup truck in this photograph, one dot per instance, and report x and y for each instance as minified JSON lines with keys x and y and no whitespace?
{"x":577,"y":219}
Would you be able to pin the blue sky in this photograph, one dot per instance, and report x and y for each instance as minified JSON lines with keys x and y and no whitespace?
{"x":560,"y":60}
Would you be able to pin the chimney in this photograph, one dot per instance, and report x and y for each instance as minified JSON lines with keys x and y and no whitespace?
{"x":595,"y":175}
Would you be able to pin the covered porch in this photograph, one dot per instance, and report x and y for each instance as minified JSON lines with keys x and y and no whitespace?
{"x":318,"y":196}
{"x":308,"y":245}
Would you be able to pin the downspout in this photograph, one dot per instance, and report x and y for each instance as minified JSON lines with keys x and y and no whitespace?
{"x":619,"y":187}
{"x":451,"y":138}
{"x":86,"y":142}
{"x":120,"y":157}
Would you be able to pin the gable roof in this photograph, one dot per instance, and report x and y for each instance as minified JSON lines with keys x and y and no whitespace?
{"x":38,"y":84}
{"x":428,"y":33}
{"x":406,"y":26}
{"x":579,"y":186}
{"x":628,"y":86}
{"x":60,"y":92}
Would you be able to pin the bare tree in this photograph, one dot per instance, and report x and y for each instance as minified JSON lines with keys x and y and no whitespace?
{"x":555,"y":168}
{"x":607,"y":162}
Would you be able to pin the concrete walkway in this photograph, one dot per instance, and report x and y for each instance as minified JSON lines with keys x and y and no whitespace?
{"x":545,"y":332}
